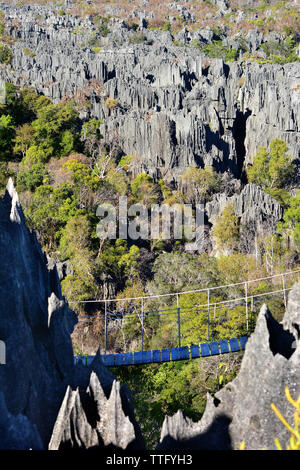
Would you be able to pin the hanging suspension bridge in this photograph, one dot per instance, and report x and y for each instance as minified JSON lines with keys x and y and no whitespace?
{"x":246,"y":295}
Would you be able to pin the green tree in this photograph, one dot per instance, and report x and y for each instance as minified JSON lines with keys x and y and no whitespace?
{"x":75,"y":244}
{"x":76,"y":236}
{"x":226,"y":230}
{"x":5,"y":54}
{"x":49,"y":211}
{"x":129,"y":262}
{"x":23,"y":139}
{"x":32,"y":178}
{"x":7,"y":132}
{"x":175,"y":272}
{"x":55,"y":129}
{"x":272,"y":168}
{"x":30,"y":103}
{"x":291,"y":219}
{"x":144,"y":189}
{"x":200,"y":184}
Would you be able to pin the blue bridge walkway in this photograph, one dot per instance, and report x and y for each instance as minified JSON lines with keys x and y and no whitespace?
{"x":172,"y":354}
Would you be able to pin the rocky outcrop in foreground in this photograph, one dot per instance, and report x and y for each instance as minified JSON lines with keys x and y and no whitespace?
{"x":241,"y":410}
{"x":42,"y":392}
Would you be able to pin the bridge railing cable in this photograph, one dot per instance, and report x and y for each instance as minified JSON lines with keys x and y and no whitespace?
{"x":215,"y":312}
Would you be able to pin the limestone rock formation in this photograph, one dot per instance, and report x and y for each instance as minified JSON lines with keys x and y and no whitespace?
{"x":175,"y":107}
{"x":35,"y":326}
{"x":91,"y":420}
{"x":258,"y":212}
{"x":241,"y":410}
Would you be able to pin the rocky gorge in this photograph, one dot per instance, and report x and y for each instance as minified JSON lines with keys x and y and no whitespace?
{"x":48,"y":402}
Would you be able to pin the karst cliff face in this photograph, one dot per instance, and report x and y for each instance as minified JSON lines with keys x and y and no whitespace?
{"x":39,"y":371}
{"x":174,"y":106}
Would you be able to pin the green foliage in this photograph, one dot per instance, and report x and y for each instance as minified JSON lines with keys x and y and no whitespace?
{"x":23,"y":139}
{"x":50,"y":209}
{"x":10,"y":96}
{"x":81,"y":174}
{"x":160,"y":390}
{"x":218,"y":49}
{"x":111,"y":253}
{"x":7,"y":132}
{"x":144,"y":189}
{"x":32,"y":178}
{"x":93,"y":41}
{"x":76,"y":236}
{"x":129,"y":262}
{"x":166,"y":26}
{"x":273,"y":168}
{"x":281,"y":52}
{"x":111,"y":103}
{"x":34,"y":155}
{"x":5,"y":173}
{"x":101,"y":22}
{"x":91,"y":128}
{"x":175,"y":272}
{"x":291,"y":219}
{"x":33,"y":103}
{"x":75,"y":243}
{"x":227,"y":229}
{"x":201,"y":184}
{"x":55,"y":129}
{"x":5,"y":54}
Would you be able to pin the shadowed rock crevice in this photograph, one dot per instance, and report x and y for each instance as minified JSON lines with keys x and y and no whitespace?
{"x":280,"y":340}
{"x":239,"y":135}
{"x":181,"y":434}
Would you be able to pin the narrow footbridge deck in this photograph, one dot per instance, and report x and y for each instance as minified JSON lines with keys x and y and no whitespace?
{"x":193,"y":351}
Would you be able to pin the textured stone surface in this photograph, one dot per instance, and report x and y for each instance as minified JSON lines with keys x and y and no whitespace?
{"x":258,"y":212}
{"x":176,"y":107}
{"x":89,"y":419}
{"x":241,"y":410}
{"x":35,"y":325}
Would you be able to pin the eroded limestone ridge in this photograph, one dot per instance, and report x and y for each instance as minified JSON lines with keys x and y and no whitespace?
{"x":35,"y":326}
{"x":172,"y":106}
{"x":241,"y":410}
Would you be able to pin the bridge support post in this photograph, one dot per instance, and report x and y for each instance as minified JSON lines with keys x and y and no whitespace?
{"x":105,"y":327}
{"x":214,"y":321}
{"x":251,"y":315}
{"x":208,"y":323}
{"x":178,"y":321}
{"x":142,"y":324}
{"x":246,"y":302}
{"x":283,"y":288}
